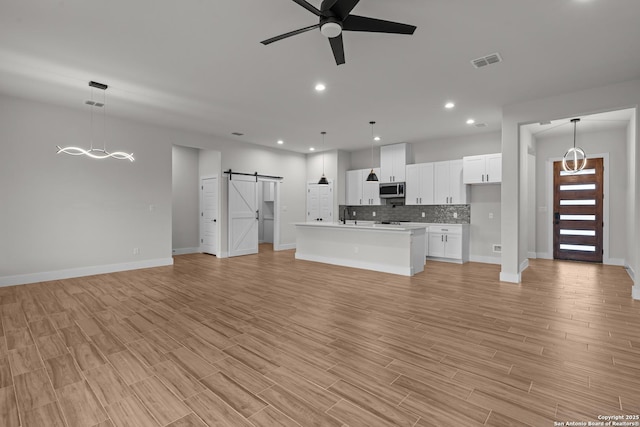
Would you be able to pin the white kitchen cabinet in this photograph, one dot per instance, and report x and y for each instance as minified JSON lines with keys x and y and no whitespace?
{"x":359,"y":191}
{"x":448,"y":186}
{"x":449,"y":242}
{"x":483,"y":169}
{"x":393,"y":161}
{"x":419,"y":188}
{"x":320,"y":202}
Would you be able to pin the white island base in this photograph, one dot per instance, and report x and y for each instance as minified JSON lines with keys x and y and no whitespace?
{"x":396,"y":249}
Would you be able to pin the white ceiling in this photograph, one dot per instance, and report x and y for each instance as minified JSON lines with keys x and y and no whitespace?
{"x":618,"y":119}
{"x":199,"y":64}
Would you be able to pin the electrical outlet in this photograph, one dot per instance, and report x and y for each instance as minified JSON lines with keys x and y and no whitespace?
{"x":455,"y":214}
{"x":423,"y":215}
{"x":136,"y":251}
{"x":354,"y":213}
{"x":490,"y":215}
{"x":374,"y":214}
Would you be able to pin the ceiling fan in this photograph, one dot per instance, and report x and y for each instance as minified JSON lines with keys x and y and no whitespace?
{"x":335,"y":17}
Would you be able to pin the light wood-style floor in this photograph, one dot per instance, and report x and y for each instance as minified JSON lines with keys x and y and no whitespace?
{"x":267,"y":340}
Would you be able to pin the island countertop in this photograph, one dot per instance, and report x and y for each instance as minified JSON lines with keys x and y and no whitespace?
{"x":390,"y":248}
{"x":364,"y":225}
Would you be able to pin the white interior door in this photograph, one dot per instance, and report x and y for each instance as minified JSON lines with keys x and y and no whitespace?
{"x":326,"y":202}
{"x":209,"y":215}
{"x":243,"y":215}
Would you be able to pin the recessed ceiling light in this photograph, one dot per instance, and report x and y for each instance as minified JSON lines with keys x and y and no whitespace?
{"x":449,"y":105}
{"x":470,"y":121}
{"x":280,"y":142}
{"x":377,"y":138}
{"x":312,"y":149}
{"x":320,"y":87}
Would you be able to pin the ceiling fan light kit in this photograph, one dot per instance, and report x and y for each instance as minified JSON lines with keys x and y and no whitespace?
{"x":335,"y":17}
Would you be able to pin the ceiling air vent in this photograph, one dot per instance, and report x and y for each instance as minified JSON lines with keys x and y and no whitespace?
{"x":480,"y":125}
{"x":237,"y":133}
{"x":494,"y":58}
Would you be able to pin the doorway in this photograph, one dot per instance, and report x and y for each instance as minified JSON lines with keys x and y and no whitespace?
{"x":578,"y":222}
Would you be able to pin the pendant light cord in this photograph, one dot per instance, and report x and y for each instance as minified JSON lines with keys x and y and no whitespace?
{"x":372,"y":123}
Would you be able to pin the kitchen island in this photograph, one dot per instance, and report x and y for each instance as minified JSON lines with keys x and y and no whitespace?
{"x":397,"y":249}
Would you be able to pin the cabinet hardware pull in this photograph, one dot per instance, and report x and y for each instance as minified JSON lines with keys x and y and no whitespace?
{"x":446,"y":238}
{"x":442,"y":237}
{"x":487,"y":177}
{"x":257,"y":214}
{"x":482,"y":177}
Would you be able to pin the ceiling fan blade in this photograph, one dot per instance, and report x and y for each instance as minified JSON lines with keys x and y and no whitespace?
{"x":342,"y":8}
{"x":289,"y":34}
{"x":327,"y":5}
{"x":309,"y":7}
{"x":373,"y":25}
{"x":338,"y":49}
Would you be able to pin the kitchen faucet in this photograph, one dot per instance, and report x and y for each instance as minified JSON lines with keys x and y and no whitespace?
{"x":345,"y":212}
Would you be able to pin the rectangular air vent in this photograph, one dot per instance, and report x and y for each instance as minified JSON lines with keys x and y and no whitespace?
{"x":237,"y":133}
{"x":497,"y":249}
{"x":480,"y":125}
{"x":494,"y":58}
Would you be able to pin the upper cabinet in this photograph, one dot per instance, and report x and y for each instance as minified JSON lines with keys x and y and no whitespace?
{"x":359,"y":191}
{"x":419,"y":184}
{"x":448,"y":186}
{"x":484,"y":169}
{"x":393,"y":162}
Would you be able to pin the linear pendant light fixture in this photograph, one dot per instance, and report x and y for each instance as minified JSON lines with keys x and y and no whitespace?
{"x":96,"y":153}
{"x":579,"y":158}
{"x":372,"y":175}
{"x":323,"y":179}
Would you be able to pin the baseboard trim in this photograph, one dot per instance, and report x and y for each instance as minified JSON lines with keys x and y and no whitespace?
{"x":449,"y":260}
{"x":510,"y":277}
{"x":23,"y":279}
{"x":286,"y":246}
{"x":485,"y":259}
{"x":404,"y":271}
{"x":543,"y":255}
{"x":185,"y":251}
{"x":532,"y":255}
{"x":524,"y":265}
{"x":631,"y":272}
{"x":615,"y":261}
{"x":635,"y":292}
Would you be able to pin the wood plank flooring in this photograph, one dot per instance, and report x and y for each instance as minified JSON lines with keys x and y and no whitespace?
{"x":267,"y":340}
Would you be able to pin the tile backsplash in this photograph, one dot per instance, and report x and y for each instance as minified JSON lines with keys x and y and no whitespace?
{"x":432,"y":213}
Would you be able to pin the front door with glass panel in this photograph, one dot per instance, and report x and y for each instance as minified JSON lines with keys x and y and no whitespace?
{"x":577,"y":212}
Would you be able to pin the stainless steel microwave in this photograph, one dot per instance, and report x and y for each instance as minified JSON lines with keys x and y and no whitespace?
{"x":390,"y":190}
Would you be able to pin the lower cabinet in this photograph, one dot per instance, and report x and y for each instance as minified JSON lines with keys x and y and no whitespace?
{"x":449,"y":242}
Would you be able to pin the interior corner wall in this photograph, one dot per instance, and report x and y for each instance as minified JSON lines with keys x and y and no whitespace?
{"x":633,"y":202}
{"x":66,"y":216}
{"x":185,"y":200}
{"x":594,"y":100}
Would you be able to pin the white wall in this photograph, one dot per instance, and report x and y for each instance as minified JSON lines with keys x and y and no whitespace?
{"x":594,"y":100}
{"x":613,"y":142}
{"x":186,"y":199}
{"x":63,"y":216}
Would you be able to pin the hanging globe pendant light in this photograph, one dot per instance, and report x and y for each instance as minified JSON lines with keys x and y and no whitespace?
{"x":574,"y":154}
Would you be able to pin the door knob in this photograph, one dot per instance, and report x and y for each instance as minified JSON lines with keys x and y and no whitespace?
{"x":556,"y":216}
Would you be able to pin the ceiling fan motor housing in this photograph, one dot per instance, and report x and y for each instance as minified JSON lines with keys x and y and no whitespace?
{"x":330,"y":27}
